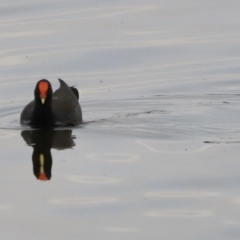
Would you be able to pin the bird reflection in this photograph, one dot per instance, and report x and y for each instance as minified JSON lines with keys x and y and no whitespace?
{"x":42,"y":141}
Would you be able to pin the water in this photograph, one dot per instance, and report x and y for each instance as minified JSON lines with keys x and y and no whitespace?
{"x":158,"y":154}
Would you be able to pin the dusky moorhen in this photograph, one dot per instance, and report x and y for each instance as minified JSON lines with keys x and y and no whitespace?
{"x":48,"y":109}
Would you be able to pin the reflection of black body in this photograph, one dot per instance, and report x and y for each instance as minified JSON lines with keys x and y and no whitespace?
{"x":42,"y":141}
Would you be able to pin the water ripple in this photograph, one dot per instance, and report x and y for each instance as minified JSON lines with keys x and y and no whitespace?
{"x":182,"y":194}
{"x":84,"y":201}
{"x":93,"y":179}
{"x":114,"y":157}
{"x":180,"y":213}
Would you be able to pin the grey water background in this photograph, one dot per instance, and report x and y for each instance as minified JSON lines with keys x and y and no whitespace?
{"x":158,"y":155}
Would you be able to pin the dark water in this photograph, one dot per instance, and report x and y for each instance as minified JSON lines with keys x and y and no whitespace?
{"x":158,"y":154}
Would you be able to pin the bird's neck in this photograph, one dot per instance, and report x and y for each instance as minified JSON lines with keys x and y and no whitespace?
{"x":43,"y":115}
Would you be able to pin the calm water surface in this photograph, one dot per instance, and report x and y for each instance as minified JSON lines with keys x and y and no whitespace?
{"x":158,"y":154}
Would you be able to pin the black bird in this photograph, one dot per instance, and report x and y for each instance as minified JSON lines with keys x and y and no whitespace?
{"x":48,"y":109}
